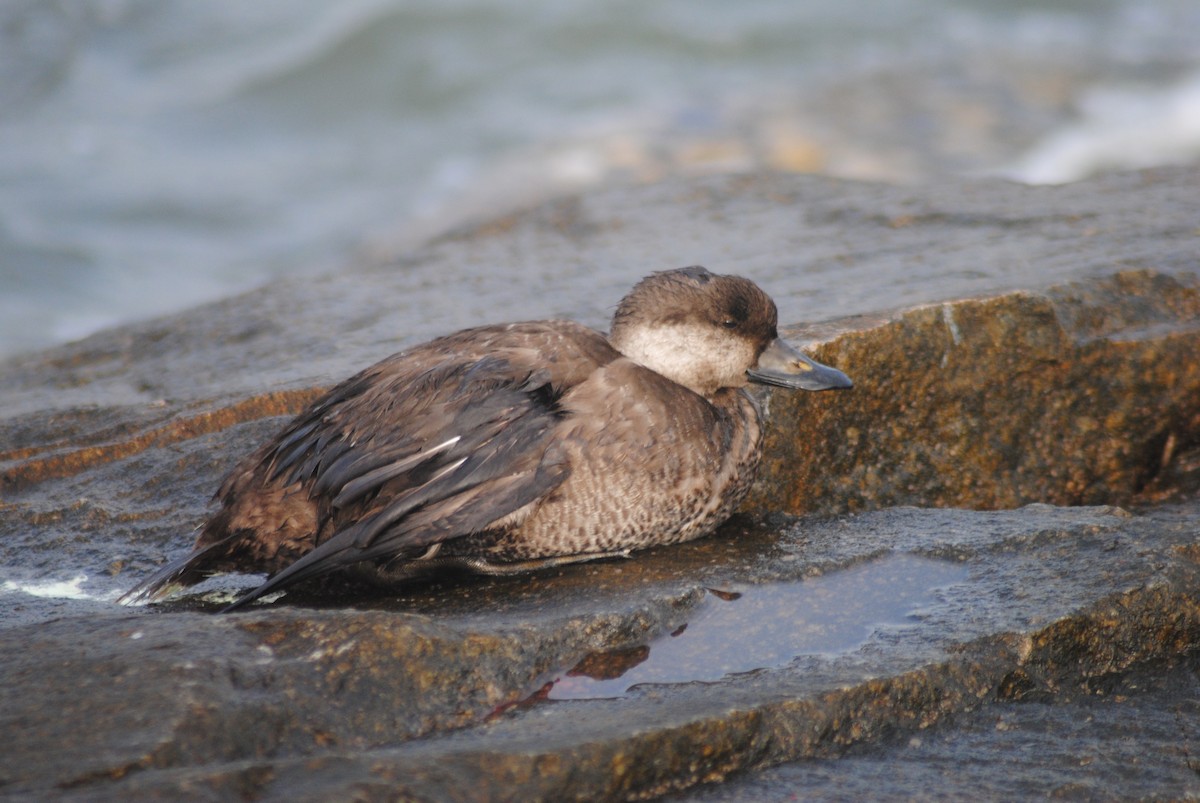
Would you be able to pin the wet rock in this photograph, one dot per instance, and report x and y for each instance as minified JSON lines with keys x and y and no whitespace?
{"x":279,"y":701}
{"x":1082,"y":394}
{"x":1009,"y":345}
{"x":187,"y":689}
{"x":1136,"y":739}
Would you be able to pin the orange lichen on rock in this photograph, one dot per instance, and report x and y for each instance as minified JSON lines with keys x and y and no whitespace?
{"x":1079,"y":395}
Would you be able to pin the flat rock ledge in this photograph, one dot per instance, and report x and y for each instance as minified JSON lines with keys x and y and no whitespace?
{"x":489,"y":697}
{"x":1081,"y":394}
{"x":999,"y":521}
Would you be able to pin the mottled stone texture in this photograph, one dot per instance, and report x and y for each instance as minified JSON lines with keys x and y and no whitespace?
{"x":1082,"y":394}
{"x":293,"y":704}
{"x":1009,"y":346}
{"x":184,"y":690}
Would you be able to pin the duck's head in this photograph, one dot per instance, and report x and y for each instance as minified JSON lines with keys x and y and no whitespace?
{"x":708,"y":332}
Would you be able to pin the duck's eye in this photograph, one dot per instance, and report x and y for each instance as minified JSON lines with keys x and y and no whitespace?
{"x":729,"y":323}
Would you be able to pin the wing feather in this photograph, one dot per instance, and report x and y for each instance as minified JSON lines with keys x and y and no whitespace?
{"x":475,"y":447}
{"x":369,"y":475}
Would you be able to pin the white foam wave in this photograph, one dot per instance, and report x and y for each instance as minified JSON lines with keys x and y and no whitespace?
{"x":1120,"y":128}
{"x":54,"y":589}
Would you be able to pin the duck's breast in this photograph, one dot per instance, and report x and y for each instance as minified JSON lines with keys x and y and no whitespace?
{"x":651,"y":463}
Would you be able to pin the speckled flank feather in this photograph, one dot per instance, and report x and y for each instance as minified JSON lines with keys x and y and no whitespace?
{"x":647,"y":468}
{"x":508,"y":443}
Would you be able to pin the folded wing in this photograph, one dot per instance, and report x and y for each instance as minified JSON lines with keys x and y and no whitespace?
{"x":461,"y":447}
{"x":414,"y":451}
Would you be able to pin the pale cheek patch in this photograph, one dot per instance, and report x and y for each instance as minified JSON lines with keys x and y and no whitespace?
{"x":698,"y":357}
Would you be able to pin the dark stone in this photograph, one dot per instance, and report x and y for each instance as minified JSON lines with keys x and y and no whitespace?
{"x":1082,"y":394}
{"x":1069,"y":375}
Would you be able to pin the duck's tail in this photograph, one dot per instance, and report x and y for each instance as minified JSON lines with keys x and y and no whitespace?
{"x":176,"y":575}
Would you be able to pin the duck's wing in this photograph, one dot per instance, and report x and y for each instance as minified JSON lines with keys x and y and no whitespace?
{"x":400,"y":460}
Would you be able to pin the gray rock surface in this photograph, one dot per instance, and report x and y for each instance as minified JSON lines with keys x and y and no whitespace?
{"x":854,"y":635}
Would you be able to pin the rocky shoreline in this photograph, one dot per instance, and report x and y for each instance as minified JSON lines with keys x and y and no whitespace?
{"x":1015,"y":474}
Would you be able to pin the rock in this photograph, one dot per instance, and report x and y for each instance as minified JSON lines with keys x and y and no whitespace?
{"x":1009,"y":345}
{"x":279,"y":701}
{"x":1082,"y":394}
{"x":197,"y":689}
{"x":1138,"y":736}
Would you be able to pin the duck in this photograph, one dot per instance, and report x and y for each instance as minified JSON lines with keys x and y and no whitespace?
{"x":514,"y":447}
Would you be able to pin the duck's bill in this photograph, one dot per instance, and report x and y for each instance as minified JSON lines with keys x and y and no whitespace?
{"x":785,"y":367}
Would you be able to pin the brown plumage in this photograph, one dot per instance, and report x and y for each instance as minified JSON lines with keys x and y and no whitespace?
{"x":507,"y":447}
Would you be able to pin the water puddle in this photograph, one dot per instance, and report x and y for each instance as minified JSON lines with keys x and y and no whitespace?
{"x":768,"y":625}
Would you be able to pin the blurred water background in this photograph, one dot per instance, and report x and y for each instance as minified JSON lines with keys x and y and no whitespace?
{"x":155,"y":154}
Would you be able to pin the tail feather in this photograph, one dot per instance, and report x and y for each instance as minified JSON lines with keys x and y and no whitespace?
{"x":322,"y":560}
{"x":176,"y":575}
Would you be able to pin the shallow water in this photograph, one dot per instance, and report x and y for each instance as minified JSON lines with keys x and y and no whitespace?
{"x":158,"y":154}
{"x":767,"y":626}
